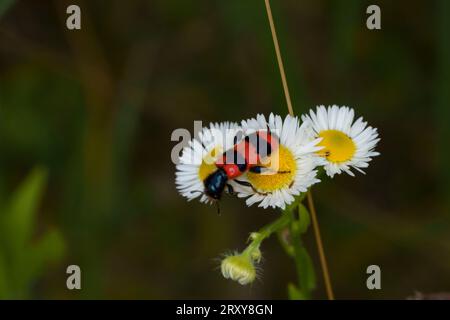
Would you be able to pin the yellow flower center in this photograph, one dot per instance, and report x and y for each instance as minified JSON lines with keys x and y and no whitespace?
{"x":337,"y":146}
{"x":281,"y":168}
{"x":208,"y":164}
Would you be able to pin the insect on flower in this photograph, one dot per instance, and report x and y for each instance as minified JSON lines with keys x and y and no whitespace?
{"x":295,"y":160}
{"x":247,"y":154}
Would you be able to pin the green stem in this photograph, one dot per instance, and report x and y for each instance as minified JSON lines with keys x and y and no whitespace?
{"x":266,"y":231}
{"x":283,"y":221}
{"x":296,"y":218}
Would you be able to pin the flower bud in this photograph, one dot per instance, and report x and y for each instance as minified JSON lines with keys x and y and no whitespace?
{"x":239,"y":267}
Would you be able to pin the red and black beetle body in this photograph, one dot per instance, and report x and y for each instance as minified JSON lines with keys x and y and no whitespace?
{"x":245,"y":155}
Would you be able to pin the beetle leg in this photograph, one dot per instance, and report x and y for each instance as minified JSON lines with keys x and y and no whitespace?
{"x":262,"y":170}
{"x":248,"y":184}
{"x":230,"y":189}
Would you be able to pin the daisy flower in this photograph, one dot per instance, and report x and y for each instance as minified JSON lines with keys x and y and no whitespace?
{"x":290,"y":168}
{"x":346,"y":144}
{"x":197,"y":160}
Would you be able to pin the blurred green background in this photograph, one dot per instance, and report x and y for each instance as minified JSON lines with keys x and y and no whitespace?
{"x":85,"y":124}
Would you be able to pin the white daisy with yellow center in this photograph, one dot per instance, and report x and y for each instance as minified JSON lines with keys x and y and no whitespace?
{"x":197,"y":160}
{"x":290,"y":167}
{"x":346,"y":144}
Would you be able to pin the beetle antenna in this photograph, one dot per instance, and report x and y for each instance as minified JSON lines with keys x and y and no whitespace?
{"x":218,"y":207}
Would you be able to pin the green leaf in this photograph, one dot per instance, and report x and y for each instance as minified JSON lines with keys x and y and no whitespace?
{"x":304,"y":219}
{"x":22,"y":261}
{"x":50,"y":249}
{"x":303,"y":262}
{"x":3,"y":278}
{"x":19,"y":217}
{"x":307,"y":273}
{"x":294,"y":293}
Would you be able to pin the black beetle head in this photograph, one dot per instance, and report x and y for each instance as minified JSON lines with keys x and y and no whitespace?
{"x":215,"y":184}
